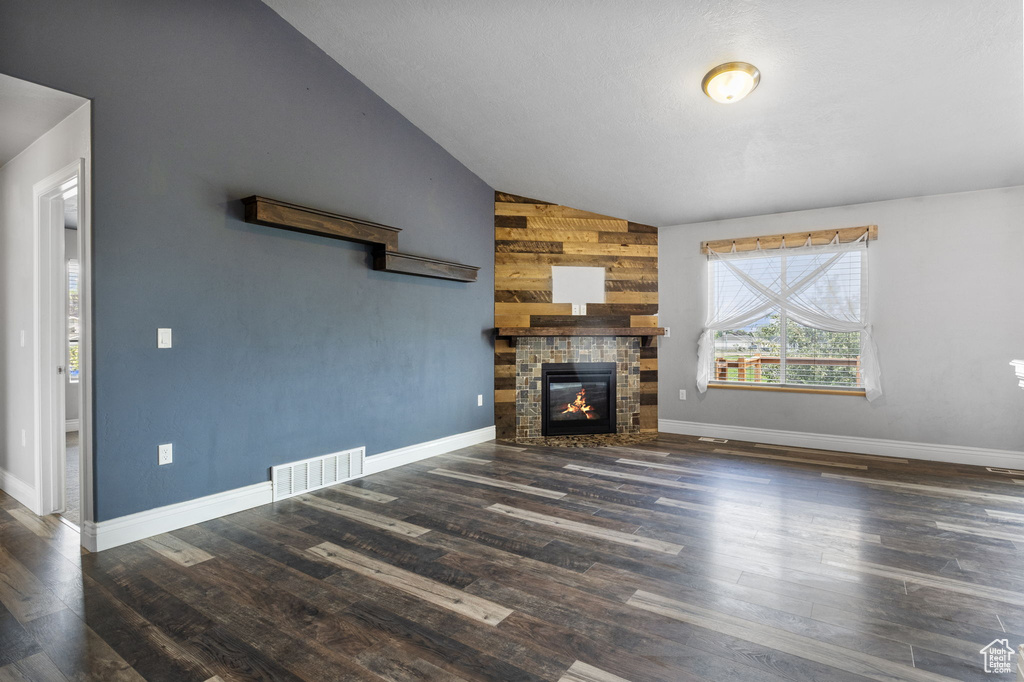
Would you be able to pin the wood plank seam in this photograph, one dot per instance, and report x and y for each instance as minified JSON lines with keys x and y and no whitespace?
{"x":461,"y":602}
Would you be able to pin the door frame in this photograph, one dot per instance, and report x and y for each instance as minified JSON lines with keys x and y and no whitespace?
{"x":51,"y":334}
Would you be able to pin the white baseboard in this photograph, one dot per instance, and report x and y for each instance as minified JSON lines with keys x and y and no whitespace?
{"x":955,"y":454}
{"x":19,"y":490}
{"x":97,"y":537}
{"x":414,"y":453}
{"x":70,"y":425}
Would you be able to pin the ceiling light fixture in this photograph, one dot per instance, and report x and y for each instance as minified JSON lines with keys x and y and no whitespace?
{"x":730,"y":82}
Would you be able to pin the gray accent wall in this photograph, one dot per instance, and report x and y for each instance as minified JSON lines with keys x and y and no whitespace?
{"x":286,"y":346}
{"x":945,"y":292}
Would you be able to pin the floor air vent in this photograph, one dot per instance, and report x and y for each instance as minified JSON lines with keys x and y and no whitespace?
{"x":1000,"y":470}
{"x":317,"y":472}
{"x":708,"y":439}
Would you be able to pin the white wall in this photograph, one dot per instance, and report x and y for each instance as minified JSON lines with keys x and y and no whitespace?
{"x":946,"y":301}
{"x":65,"y":143}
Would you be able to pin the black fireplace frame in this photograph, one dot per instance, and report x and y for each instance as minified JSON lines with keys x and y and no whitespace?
{"x":578,"y":371}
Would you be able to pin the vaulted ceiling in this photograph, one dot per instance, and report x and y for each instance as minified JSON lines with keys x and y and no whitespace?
{"x":597,"y":104}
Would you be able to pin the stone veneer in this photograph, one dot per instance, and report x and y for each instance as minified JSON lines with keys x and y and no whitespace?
{"x":533,"y":352}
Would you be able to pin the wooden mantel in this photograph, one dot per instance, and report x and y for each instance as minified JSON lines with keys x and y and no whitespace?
{"x":648,"y":334}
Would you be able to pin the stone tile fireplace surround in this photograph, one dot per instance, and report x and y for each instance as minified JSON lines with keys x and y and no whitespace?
{"x":532,"y":353}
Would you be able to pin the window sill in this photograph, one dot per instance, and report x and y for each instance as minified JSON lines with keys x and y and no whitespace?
{"x":790,"y":389}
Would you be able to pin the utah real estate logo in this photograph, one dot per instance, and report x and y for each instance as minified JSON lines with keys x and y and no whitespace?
{"x":998,"y":657}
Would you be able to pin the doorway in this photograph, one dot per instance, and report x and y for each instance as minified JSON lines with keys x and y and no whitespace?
{"x":45,"y":160}
{"x":62,"y":228}
{"x":72,"y":502}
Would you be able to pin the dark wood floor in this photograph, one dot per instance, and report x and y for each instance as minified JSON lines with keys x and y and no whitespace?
{"x":673,"y":560}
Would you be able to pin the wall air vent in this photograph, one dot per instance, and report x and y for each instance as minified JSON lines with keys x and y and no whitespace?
{"x":708,"y":439}
{"x":317,"y":472}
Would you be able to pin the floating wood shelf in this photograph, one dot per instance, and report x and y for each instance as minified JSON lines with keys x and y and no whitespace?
{"x":383,"y":238}
{"x":648,"y":334}
{"x":421,"y":266}
{"x":271,"y":213}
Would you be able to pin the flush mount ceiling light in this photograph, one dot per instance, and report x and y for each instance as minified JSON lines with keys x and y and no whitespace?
{"x":730,"y":82}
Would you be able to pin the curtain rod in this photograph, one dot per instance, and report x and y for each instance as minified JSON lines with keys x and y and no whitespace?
{"x":776,"y":241}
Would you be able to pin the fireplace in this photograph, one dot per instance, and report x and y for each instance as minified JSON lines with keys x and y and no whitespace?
{"x":578,"y":398}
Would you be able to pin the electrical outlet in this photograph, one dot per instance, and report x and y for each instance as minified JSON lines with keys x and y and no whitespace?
{"x":165,"y":454}
{"x":668,"y":332}
{"x":480,"y":400}
{"x":682,"y":394}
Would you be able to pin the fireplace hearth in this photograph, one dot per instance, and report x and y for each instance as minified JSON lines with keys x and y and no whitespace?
{"x":578,"y":398}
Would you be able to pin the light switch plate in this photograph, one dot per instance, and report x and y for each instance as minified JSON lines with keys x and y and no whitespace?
{"x":668,"y":332}
{"x":165,"y":454}
{"x":579,"y":308}
{"x":480,"y":400}
{"x":163,"y":338}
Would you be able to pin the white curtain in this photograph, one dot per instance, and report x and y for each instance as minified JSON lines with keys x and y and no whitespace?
{"x":816,"y":286}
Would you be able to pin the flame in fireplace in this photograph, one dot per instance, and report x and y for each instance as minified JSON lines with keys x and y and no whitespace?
{"x":580,"y":406}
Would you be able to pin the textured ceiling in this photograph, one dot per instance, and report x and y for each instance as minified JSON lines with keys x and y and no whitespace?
{"x":27,"y":111}
{"x":597,"y":104}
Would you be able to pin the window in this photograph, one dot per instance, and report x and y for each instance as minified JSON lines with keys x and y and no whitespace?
{"x":791,"y":318}
{"x":74,"y":317}
{"x":778,"y":351}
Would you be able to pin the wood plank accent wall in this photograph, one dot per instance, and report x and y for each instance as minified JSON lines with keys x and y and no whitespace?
{"x":529,"y":237}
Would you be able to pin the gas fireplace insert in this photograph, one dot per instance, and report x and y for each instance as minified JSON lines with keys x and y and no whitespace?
{"x":578,"y":398}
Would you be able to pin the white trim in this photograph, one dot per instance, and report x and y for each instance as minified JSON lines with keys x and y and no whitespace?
{"x":70,"y":425}
{"x":97,"y":537}
{"x":85,"y":364}
{"x":956,"y":454}
{"x":19,"y":490}
{"x":414,"y":453}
